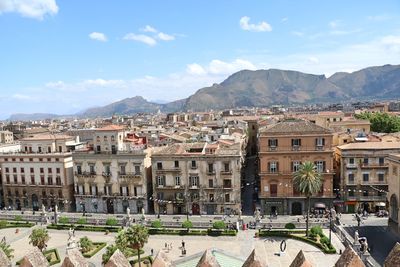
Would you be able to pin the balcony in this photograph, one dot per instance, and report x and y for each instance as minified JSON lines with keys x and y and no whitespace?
{"x":85,"y":174}
{"x":374,"y":165}
{"x":170,"y":187}
{"x":193,"y":167}
{"x":165,"y":170}
{"x":226,"y":172}
{"x":372,"y":198}
{"x":129,"y":175}
{"x":210,"y":172}
{"x":296,"y":148}
{"x":106,"y":174}
{"x":351,"y":166}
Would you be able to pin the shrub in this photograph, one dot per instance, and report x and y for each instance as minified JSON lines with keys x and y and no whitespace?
{"x":316,"y":230}
{"x":3,"y":224}
{"x":187,"y":224}
{"x":82,"y":221}
{"x":18,"y":218}
{"x":290,"y":226}
{"x":324,"y":240}
{"x":111,"y":222}
{"x":86,"y":244}
{"x":219,"y":225}
{"x":63,"y":219}
{"x":157,"y":224}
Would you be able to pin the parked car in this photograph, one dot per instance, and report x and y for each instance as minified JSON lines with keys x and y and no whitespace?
{"x":382,"y":213}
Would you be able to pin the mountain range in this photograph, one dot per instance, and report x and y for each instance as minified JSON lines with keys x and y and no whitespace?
{"x":261,"y":88}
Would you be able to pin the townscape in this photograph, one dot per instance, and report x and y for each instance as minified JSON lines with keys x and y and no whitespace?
{"x":199,"y":133}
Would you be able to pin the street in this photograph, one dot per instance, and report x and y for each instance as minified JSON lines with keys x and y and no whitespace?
{"x":248,"y":187}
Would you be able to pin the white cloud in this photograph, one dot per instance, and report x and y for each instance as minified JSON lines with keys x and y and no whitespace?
{"x":379,"y":17}
{"x":98,"y":36}
{"x":36,"y":9}
{"x":21,"y":96}
{"x":195,"y":69}
{"x":260,"y":27}
{"x":220,"y":67}
{"x":141,"y":38}
{"x":165,"y":37}
{"x":148,"y":28}
{"x":284,"y":19}
{"x":298,"y":33}
{"x":334,"y":24}
{"x":313,"y":60}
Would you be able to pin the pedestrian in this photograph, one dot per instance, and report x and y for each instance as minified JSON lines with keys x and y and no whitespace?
{"x":183,"y":244}
{"x":166,"y":245}
{"x":152,"y":252}
{"x":171,"y":246}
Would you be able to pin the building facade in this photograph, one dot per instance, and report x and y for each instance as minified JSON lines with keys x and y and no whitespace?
{"x":110,"y":174}
{"x":39,"y":174}
{"x":364,"y":174}
{"x":197,"y":178}
{"x":393,"y":196}
{"x":284,"y":146}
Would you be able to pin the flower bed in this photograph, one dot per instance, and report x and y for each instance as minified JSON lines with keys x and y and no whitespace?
{"x":298,"y":235}
{"x":145,"y":261}
{"x":97,"y":246}
{"x":19,"y":224}
{"x":84,"y":227}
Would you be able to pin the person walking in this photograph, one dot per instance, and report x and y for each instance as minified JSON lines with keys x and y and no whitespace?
{"x":183,"y":244}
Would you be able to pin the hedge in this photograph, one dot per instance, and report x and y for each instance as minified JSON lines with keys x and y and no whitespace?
{"x":290,"y":234}
{"x":219,"y":225}
{"x":46,"y":253}
{"x":89,"y":228}
{"x":100,"y":246}
{"x":11,"y":224}
{"x":111,"y":221}
{"x":156,"y":224}
{"x":219,"y":232}
{"x":290,"y":226}
{"x":150,"y":258}
{"x":164,"y":231}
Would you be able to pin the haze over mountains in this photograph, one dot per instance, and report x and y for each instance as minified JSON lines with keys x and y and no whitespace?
{"x":263,"y":88}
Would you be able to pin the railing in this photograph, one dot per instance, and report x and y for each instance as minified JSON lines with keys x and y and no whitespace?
{"x":374,"y":165}
{"x":86,"y":174}
{"x":106,"y":174}
{"x":129,"y":174}
{"x":226,"y":172}
{"x":297,"y":148}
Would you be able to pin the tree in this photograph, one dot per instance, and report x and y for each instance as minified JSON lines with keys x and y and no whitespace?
{"x":136,"y":237}
{"x":381,"y":122}
{"x":307,"y":180}
{"x":187,"y":224}
{"x":7,"y":250}
{"x":39,"y":237}
{"x":109,"y":252}
{"x":86,"y":244}
{"x":219,"y":225}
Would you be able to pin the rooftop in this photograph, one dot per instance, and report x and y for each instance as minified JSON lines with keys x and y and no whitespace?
{"x":370,"y":145}
{"x":48,"y":137}
{"x":111,"y":127}
{"x":295,"y":127}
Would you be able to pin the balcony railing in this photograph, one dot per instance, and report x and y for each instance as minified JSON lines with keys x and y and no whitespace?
{"x":374,"y":165}
{"x":226,"y":172}
{"x":86,"y":174}
{"x":106,"y":174}
{"x":297,"y":148}
{"x":129,"y":174}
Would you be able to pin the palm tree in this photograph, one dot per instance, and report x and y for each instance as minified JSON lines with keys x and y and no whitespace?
{"x":136,"y":237}
{"x":307,"y":180}
{"x":6,"y":249}
{"x":39,"y":237}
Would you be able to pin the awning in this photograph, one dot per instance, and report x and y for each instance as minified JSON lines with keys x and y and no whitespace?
{"x":319,"y":206}
{"x":380,"y":204}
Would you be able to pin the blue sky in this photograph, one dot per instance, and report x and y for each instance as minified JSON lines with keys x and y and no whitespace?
{"x":64,"y":56}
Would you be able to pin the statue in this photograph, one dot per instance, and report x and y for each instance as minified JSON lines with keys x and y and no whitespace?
{"x":356,"y":237}
{"x":128,"y":212}
{"x":71,"y":239}
{"x":56,"y":209}
{"x":143,"y":216}
{"x":43,"y":209}
{"x":240,"y":215}
{"x":257,"y":215}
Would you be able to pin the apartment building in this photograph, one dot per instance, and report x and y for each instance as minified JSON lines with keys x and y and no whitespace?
{"x":393,"y":196}
{"x":197,"y":178}
{"x":110,"y":173}
{"x":39,"y":174}
{"x":284,"y":146}
{"x":364,"y":174}
{"x":6,"y":137}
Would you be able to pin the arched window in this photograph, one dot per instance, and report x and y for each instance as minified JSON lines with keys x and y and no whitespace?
{"x":112,"y":138}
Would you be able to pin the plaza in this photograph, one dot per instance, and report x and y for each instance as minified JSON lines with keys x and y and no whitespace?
{"x":239,"y":247}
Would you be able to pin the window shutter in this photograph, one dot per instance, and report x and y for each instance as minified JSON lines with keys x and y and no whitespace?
{"x":127,"y":191}
{"x":120,"y":190}
{"x":292,"y":166}
{"x":277,"y":167}
{"x":276,"y":142}
{"x":292,"y":142}
{"x":316,"y":141}
{"x":190,"y":180}
{"x":324,"y":166}
{"x":269,"y":166}
{"x":323,"y":141}
{"x":269,"y":142}
{"x":299,"y":142}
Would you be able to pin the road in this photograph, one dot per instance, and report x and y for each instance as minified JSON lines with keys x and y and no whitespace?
{"x":380,"y":239}
{"x":248,"y":187}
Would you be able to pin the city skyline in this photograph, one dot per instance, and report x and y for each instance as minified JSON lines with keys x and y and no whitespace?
{"x":63,"y":57}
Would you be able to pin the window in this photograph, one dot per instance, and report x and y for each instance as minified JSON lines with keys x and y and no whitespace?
{"x":6,"y":169}
{"x":137,"y":169}
{"x":107,"y":169}
{"x":381,"y":161}
{"x":227,"y":197}
{"x":176,"y":164}
{"x":48,"y":149}
{"x":210,"y":168}
{"x":49,"y":170}
{"x":351,"y":177}
{"x":21,"y":159}
{"x":23,"y":179}
{"x":58,"y":180}
{"x":320,"y":166}
{"x":211,"y":197}
{"x":60,"y":149}
{"x":57,"y":170}
{"x":161,"y":180}
{"x":273,"y":190}
{"x":177,"y":180}
{"x":210,"y":183}
{"x":296,"y":142}
{"x":40,"y":159}
{"x":365,"y":193}
{"x":160,"y":195}
{"x":112,"y":138}
{"x":194,"y":180}
{"x":295,"y":166}
{"x":273,"y":167}
{"x":351,"y":161}
{"x":159,"y":165}
{"x":319,"y":141}
{"x":381,"y":177}
{"x":227,"y":183}
{"x":8,"y":178}
{"x":5,"y":159}
{"x":98,"y":138}
{"x":48,"y":159}
{"x":40,"y":149}
{"x":15,"y":179}
{"x":32,"y":179}
{"x":57,"y":159}
{"x":93,"y":189}
{"x":78,"y":169}
{"x":42,"y":180}
{"x":365,"y":177}
{"x":105,"y":138}
{"x":91,"y":169}
{"x":272,"y":143}
{"x":122,"y":170}
{"x":351,"y":193}
{"x":32,"y":170}
{"x":194,"y":164}
{"x":41,"y":170}
{"x":50,"y":180}
{"x":226,"y":167}
{"x":365,"y":161}
{"x":14,"y":170}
